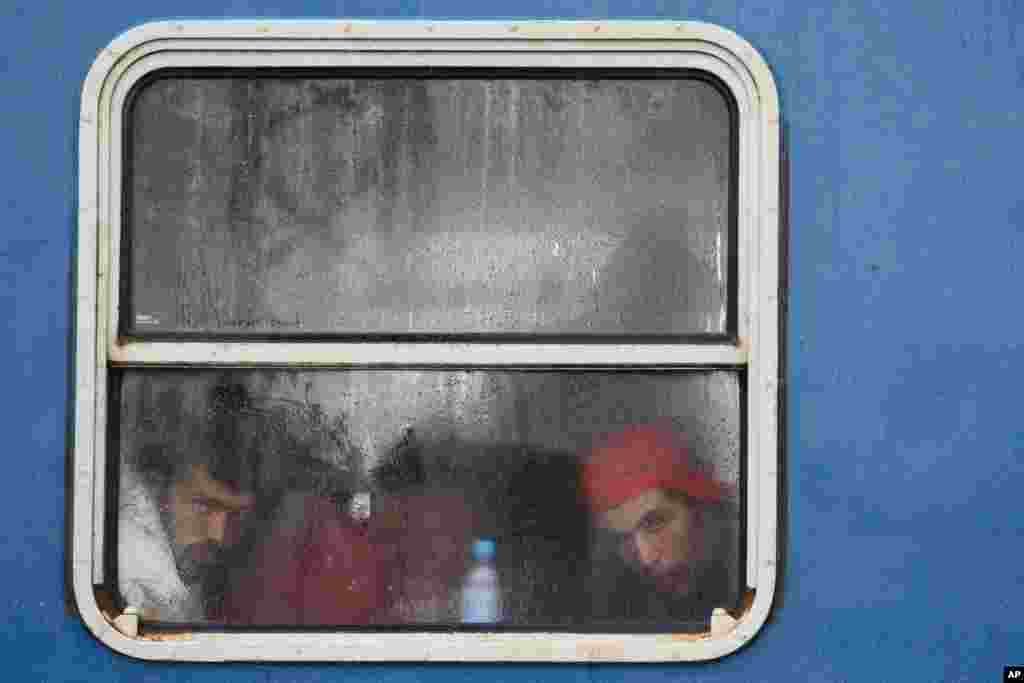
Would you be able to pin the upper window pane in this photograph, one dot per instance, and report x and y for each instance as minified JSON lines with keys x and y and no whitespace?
{"x":456,"y":203}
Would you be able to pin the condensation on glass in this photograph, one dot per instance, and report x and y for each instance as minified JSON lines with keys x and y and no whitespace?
{"x":463,"y":204}
{"x":354,"y":497}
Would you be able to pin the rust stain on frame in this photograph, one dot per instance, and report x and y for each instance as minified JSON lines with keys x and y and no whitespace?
{"x":689,"y":637}
{"x":166,"y":636}
{"x":746,"y":604}
{"x":600,"y":650}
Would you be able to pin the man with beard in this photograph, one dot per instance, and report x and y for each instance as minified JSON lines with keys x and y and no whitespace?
{"x":175,"y":540}
{"x":667,"y":516}
{"x":188,"y":494}
{"x":234,"y":509}
{"x":204,"y":516}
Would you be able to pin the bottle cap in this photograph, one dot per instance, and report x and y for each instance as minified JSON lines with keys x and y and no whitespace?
{"x":483,"y":549}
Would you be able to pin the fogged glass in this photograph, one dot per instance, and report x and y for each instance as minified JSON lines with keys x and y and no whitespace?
{"x":429,"y":205}
{"x":428,"y":498}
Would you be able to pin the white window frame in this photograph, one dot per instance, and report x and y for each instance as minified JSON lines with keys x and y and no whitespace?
{"x":349,"y":43}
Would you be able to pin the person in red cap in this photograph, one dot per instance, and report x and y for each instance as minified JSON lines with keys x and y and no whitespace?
{"x":641,"y":484}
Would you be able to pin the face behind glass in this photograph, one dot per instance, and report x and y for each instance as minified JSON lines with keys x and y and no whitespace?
{"x":205,"y":518}
{"x":661,"y":535}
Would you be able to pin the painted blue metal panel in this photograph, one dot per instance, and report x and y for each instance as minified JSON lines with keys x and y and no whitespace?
{"x":905,"y":440}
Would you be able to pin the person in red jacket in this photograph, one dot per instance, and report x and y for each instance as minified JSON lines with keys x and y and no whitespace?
{"x":316,"y":566}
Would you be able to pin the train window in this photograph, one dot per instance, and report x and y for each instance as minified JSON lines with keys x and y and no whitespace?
{"x":427,"y":341}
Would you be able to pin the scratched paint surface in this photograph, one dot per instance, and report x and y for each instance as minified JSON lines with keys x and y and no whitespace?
{"x":458,"y":205}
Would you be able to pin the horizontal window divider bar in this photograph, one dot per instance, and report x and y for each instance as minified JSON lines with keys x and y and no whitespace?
{"x":370,"y":354}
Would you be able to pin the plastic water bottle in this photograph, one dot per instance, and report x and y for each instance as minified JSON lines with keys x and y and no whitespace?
{"x":481,"y":595}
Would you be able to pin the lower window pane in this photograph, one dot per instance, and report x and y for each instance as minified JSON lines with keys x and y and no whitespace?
{"x":419,"y":499}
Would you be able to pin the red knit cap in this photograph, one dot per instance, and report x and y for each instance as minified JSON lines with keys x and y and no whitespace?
{"x":640,"y":458}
